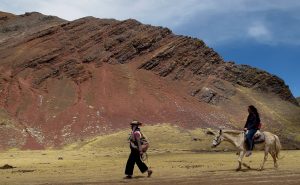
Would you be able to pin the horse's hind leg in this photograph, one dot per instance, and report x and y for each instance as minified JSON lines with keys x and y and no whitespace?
{"x":274,"y":159}
{"x":265,"y":159}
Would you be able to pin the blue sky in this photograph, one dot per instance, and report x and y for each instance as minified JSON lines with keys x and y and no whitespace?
{"x":260,"y":33}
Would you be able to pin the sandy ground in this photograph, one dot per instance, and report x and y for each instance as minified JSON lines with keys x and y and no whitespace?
{"x":88,"y":167}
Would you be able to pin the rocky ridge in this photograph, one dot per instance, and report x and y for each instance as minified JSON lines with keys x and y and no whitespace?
{"x":63,"y":80}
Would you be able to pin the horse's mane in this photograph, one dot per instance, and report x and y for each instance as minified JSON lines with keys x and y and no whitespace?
{"x":235,"y":132}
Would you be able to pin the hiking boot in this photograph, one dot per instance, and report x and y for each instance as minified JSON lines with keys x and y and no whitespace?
{"x":128,"y":177}
{"x":150,"y":173}
{"x":248,"y":153}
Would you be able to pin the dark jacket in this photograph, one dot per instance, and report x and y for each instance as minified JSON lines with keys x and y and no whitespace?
{"x":253,"y":122}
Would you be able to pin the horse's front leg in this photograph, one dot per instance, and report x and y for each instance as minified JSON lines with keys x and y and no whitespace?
{"x":240,"y":159}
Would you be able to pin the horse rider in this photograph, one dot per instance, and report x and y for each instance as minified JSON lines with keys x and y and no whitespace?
{"x":251,"y":127}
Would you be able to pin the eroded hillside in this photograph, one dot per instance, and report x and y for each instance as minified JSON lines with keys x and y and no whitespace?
{"x":62,"y":81}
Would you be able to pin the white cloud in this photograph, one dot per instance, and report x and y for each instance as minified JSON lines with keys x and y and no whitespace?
{"x":156,"y":11}
{"x":259,"y":32}
{"x":61,"y":9}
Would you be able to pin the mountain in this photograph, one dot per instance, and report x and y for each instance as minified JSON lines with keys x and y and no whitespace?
{"x":298,"y":99}
{"x":63,"y":81}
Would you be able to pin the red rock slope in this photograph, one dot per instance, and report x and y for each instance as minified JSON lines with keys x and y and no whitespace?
{"x":62,"y":81}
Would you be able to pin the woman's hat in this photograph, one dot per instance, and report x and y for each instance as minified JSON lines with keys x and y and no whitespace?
{"x":135,"y":123}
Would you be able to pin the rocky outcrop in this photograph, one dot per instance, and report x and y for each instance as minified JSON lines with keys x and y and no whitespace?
{"x":62,"y":81}
{"x":28,"y":23}
{"x":90,"y":40}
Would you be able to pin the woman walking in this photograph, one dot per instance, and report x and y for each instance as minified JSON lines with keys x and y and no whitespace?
{"x":137,"y":150}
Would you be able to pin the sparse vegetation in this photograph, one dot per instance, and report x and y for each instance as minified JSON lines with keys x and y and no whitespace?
{"x":107,"y":167}
{"x":162,"y":137}
{"x":176,"y":155}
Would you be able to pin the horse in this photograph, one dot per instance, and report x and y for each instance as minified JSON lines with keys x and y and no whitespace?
{"x":271,"y":144}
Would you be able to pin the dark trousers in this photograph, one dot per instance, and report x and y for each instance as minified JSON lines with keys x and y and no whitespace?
{"x":134,"y":157}
{"x":249,"y":139}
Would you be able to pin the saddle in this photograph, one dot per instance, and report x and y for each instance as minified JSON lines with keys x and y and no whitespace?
{"x":259,"y":137}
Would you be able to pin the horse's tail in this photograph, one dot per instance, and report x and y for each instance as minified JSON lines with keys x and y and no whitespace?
{"x":277,"y":146}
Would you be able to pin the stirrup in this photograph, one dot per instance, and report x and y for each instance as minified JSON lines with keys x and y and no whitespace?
{"x":248,"y":153}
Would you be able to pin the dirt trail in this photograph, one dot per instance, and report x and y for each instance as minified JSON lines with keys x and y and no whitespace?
{"x":107,"y":167}
{"x":274,"y":178}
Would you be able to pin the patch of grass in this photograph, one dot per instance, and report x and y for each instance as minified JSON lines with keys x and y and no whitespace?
{"x":85,"y":167}
{"x":162,"y":138}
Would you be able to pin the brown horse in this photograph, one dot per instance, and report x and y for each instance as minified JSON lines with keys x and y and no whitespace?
{"x":271,"y":144}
